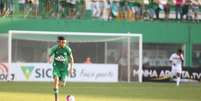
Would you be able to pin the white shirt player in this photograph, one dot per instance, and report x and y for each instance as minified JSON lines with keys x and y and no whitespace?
{"x":176,"y":61}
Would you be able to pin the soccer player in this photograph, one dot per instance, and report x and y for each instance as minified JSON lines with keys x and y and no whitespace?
{"x":176,"y":60}
{"x":62,"y":56}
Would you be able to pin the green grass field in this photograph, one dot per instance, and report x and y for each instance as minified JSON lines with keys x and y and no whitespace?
{"x":21,"y":91}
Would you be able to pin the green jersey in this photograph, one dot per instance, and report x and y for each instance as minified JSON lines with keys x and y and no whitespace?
{"x":61,"y":58}
{"x":61,"y":55}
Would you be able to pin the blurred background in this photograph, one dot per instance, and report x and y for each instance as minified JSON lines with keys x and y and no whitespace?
{"x":166,"y":25}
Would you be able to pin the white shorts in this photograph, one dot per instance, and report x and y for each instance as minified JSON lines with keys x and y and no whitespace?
{"x":176,"y":69}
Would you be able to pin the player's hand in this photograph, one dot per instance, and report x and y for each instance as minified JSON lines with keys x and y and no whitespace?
{"x":180,"y":57}
{"x":72,"y":72}
{"x":49,"y":61}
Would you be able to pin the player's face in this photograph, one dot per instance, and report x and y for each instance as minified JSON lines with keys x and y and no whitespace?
{"x":62,"y":43}
{"x":179,"y":53}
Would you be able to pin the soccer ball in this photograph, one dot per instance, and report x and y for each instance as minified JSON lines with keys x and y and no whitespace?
{"x":70,"y":98}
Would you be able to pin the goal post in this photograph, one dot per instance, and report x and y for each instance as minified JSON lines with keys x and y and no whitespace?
{"x":28,"y":46}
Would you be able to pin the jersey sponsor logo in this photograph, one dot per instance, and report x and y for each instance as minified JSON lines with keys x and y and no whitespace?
{"x":60,"y":58}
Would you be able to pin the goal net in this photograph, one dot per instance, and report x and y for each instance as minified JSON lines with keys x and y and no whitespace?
{"x":122,"y":49}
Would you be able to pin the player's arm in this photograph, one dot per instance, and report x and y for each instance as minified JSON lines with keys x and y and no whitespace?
{"x":71,"y":61}
{"x":49,"y":59}
{"x":51,"y":53}
{"x":171,"y":60}
{"x":182,"y":59}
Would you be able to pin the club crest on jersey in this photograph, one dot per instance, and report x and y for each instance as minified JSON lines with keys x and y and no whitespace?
{"x":60,"y":58}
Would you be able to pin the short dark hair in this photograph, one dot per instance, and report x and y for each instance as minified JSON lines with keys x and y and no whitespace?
{"x":60,"y":38}
{"x":179,"y":51}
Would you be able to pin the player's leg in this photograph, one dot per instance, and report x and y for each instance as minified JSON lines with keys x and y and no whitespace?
{"x":63,"y":74}
{"x":178,"y":79}
{"x":173,"y":72}
{"x":56,"y":88}
{"x":62,"y":82}
{"x":178,"y":75}
{"x":63,"y":78}
{"x":56,"y":76}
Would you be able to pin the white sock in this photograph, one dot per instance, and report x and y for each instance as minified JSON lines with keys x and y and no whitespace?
{"x":178,"y":81}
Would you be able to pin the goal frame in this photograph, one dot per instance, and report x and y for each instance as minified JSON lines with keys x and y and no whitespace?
{"x":129,"y":35}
